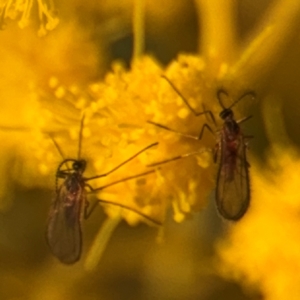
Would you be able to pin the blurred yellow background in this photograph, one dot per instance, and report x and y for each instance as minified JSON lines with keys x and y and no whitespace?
{"x":60,"y":59}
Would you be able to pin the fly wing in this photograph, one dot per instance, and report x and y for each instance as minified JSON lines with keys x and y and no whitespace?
{"x":64,"y":228}
{"x":233,"y":191}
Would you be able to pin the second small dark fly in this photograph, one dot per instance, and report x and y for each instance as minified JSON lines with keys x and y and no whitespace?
{"x":69,"y":207}
{"x":232,"y":188}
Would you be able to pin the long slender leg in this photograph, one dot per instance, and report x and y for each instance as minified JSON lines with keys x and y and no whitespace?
{"x":88,"y":210}
{"x":177,"y":157}
{"x":122,"y":164}
{"x":244,"y":119}
{"x":122,"y":180}
{"x":173,"y":130}
{"x":202,"y":130}
{"x":87,"y":213}
{"x":186,"y":102}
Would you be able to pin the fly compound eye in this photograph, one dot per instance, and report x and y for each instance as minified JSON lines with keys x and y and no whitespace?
{"x":225,"y":113}
{"x":77,"y":165}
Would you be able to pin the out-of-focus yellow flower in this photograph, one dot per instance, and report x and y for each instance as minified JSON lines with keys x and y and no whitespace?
{"x":21,"y":9}
{"x":132,"y":99}
{"x":115,"y":128}
{"x":117,"y":109}
{"x":27,"y":86}
{"x":262,"y":250}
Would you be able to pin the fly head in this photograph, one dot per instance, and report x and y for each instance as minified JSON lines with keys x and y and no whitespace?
{"x":226,"y":114}
{"x":79,"y":166}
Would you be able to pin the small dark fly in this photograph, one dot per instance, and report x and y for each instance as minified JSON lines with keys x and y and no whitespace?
{"x":64,"y":222}
{"x":232,"y":191}
{"x":69,"y":207}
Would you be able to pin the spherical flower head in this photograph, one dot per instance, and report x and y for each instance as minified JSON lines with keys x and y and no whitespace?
{"x":127,"y":101}
{"x":120,"y":113}
{"x":115,"y":128}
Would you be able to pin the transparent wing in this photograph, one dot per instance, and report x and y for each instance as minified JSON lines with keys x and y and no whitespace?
{"x":64,"y":228}
{"x":233,"y":191}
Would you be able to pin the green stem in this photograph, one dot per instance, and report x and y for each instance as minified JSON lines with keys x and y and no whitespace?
{"x":99,"y":245}
{"x":138,"y":29}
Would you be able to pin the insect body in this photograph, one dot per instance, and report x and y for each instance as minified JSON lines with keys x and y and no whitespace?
{"x":63,"y":234}
{"x":232,"y":190}
{"x":64,"y":223}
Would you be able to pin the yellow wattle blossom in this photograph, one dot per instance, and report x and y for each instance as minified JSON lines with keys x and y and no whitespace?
{"x":115,"y":129}
{"x":53,"y":86}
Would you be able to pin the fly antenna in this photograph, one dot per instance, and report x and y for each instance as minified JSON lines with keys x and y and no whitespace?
{"x":222,"y":91}
{"x":60,"y":165}
{"x":219,"y":93}
{"x":57,"y":146}
{"x":80,"y":137}
{"x":249,"y":93}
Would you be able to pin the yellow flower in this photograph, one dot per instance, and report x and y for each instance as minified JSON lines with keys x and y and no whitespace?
{"x":22,"y":9}
{"x":117,"y":110}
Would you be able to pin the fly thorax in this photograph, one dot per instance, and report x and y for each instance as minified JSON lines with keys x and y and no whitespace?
{"x":73,"y":183}
{"x":232,"y":129}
